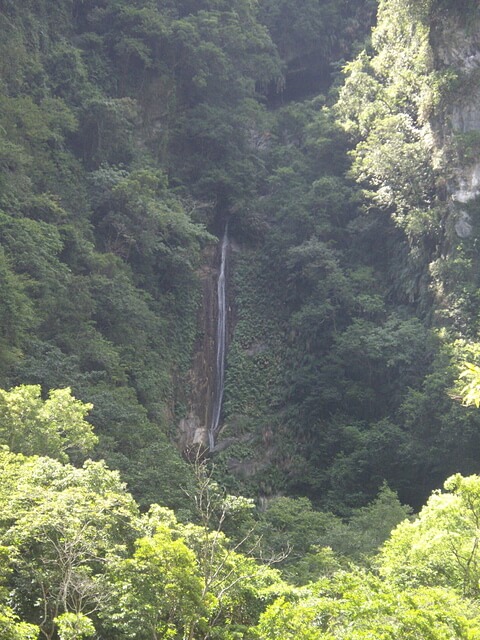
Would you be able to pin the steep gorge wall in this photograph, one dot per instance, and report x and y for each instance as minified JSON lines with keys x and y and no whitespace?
{"x":456,"y":47}
{"x":412,"y":109}
{"x":455,"y":42}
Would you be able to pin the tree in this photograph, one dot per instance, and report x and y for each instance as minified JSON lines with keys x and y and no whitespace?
{"x":442,"y":546}
{"x":184,"y":582}
{"x":471,"y":390}
{"x":60,"y":523}
{"x":55,"y":427}
{"x":158,"y":592}
{"x":74,"y":626}
{"x":234,"y":585}
{"x":387,"y":103}
{"x":11,"y":628}
{"x":358,"y":605}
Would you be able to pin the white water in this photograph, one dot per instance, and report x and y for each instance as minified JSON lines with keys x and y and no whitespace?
{"x":221,"y":346}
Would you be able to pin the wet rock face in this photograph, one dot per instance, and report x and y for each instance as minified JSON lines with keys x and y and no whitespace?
{"x":193,"y":429}
{"x":192,"y":434}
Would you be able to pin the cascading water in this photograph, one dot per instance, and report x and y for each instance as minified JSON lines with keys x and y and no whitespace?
{"x":221,"y":345}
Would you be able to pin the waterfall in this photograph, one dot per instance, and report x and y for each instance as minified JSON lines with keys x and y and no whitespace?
{"x":221,"y":345}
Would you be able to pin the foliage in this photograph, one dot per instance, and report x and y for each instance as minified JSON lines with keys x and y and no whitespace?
{"x":471,"y":391}
{"x":129,"y":132}
{"x":359,"y":605}
{"x":328,"y":349}
{"x":157,"y":592}
{"x":387,"y":103}
{"x":54,"y":427}
{"x":441,"y":546}
{"x":74,"y":626}
{"x":311,"y":36}
{"x":78,"y":560}
{"x":98,"y":251}
{"x":315,"y":543}
{"x":60,"y":523}
{"x":84,"y":561}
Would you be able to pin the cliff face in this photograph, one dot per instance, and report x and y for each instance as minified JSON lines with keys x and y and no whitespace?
{"x":455,"y":42}
{"x":413,"y":109}
{"x":456,"y":47}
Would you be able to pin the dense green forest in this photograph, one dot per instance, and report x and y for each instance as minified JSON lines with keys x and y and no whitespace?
{"x":339,"y":143}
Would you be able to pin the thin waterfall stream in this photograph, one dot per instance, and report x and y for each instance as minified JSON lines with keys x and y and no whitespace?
{"x":221,"y":344}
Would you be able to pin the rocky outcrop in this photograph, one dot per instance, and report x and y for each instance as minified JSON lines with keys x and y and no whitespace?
{"x":457,"y":49}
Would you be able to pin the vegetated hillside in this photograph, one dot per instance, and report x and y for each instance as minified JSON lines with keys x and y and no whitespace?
{"x":79,"y":561}
{"x":358,"y":306}
{"x":130,"y":131}
{"x":124,"y":132}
